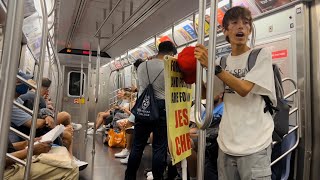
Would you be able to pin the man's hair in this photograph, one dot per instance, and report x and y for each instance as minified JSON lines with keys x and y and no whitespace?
{"x":46,"y":82}
{"x":235,"y":13}
{"x":167,"y":47}
{"x":137,"y":63}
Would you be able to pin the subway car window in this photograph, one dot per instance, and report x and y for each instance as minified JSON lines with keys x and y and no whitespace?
{"x":74,"y":83}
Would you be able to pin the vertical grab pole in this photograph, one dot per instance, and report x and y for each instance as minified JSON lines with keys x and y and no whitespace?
{"x":10,"y":59}
{"x":203,"y":124}
{"x":96,"y":93}
{"x":58,"y":97}
{"x":202,"y":132}
{"x":81,"y":89}
{"x":88,"y":85}
{"x":211,"y":60}
{"x":38,"y":91}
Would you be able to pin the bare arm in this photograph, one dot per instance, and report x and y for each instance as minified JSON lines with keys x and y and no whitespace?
{"x":22,"y":154}
{"x":40,"y":123}
{"x":20,"y":145}
{"x":126,"y":110}
{"x":242,"y":87}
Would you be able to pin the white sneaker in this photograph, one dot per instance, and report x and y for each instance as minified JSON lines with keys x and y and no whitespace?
{"x":90,"y":131}
{"x":124,"y":153}
{"x":125,"y":160}
{"x":150,"y":177}
{"x":76,"y":127}
{"x":81,"y":164}
{"x":90,"y":124}
{"x":100,"y":129}
{"x":149,"y":173}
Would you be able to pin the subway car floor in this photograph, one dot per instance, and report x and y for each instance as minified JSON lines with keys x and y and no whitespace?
{"x":102,"y":164}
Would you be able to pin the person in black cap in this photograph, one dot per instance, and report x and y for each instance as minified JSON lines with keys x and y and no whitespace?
{"x":154,"y":70}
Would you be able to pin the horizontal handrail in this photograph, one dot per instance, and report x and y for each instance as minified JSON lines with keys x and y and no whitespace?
{"x":17,"y":132}
{"x":291,"y":149}
{"x":27,"y":110}
{"x":290,"y":94}
{"x":17,"y":160}
{"x":26,"y":82}
{"x":293,"y":110}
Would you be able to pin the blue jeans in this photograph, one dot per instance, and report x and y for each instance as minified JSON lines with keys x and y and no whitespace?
{"x":159,"y":146}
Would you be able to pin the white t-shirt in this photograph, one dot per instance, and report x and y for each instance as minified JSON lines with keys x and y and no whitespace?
{"x":245,"y":128}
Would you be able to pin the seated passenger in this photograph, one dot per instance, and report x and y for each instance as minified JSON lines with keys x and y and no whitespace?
{"x":38,"y":170}
{"x":128,"y":125}
{"x":108,"y":116}
{"x":212,"y":146}
{"x":22,"y":121}
{"x":29,"y":97}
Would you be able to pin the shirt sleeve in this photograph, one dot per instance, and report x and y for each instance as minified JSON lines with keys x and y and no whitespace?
{"x":19,"y":117}
{"x":131,"y":118}
{"x":262,"y":76}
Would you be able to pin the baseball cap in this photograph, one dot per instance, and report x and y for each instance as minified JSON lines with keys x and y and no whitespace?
{"x":188,"y":64}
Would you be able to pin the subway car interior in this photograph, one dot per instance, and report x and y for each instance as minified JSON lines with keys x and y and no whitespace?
{"x":88,"y":53}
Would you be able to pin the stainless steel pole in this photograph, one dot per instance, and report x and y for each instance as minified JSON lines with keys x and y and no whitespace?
{"x":38,"y":91}
{"x":202,"y":132}
{"x":10,"y":59}
{"x":96,"y":93}
{"x":204,"y":123}
{"x":56,"y":58}
{"x":88,"y":86}
{"x":209,"y":94}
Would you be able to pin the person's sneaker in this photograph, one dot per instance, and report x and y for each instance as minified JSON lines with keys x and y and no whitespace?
{"x":90,"y":124}
{"x":76,"y":127}
{"x":124,"y":153}
{"x":100,"y":129}
{"x":90,"y":131}
{"x":81,"y":164}
{"x":125,"y":160}
{"x":149,"y":173}
{"x":150,"y":177}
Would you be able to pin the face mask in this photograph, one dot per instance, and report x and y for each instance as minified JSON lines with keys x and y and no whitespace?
{"x":22,"y":89}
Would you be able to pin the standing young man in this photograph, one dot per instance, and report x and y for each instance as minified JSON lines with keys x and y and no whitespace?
{"x":245,"y":133}
{"x":154,"y":70}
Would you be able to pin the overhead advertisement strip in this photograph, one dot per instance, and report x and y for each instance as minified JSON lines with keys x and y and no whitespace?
{"x":186,"y":31}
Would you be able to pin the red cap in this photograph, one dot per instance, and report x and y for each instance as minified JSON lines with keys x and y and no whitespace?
{"x":188,"y":64}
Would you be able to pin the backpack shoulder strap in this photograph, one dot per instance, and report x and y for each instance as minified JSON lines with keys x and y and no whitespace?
{"x":253,"y":58}
{"x":223,"y":62}
{"x":147,"y":71}
{"x":157,"y":76}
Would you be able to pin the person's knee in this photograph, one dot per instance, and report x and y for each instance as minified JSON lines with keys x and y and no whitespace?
{"x":100,"y":114}
{"x":64,"y":118}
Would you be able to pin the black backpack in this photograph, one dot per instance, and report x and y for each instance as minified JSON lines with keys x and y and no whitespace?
{"x":281,"y":112}
{"x":146,"y":109}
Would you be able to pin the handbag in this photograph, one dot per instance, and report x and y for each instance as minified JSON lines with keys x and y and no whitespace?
{"x":116,"y":139}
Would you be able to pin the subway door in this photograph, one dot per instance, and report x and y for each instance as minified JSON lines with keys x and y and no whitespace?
{"x":104,"y":89}
{"x":71,"y":101}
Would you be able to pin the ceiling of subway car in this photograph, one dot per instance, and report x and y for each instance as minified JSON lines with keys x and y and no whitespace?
{"x":131,"y":22}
